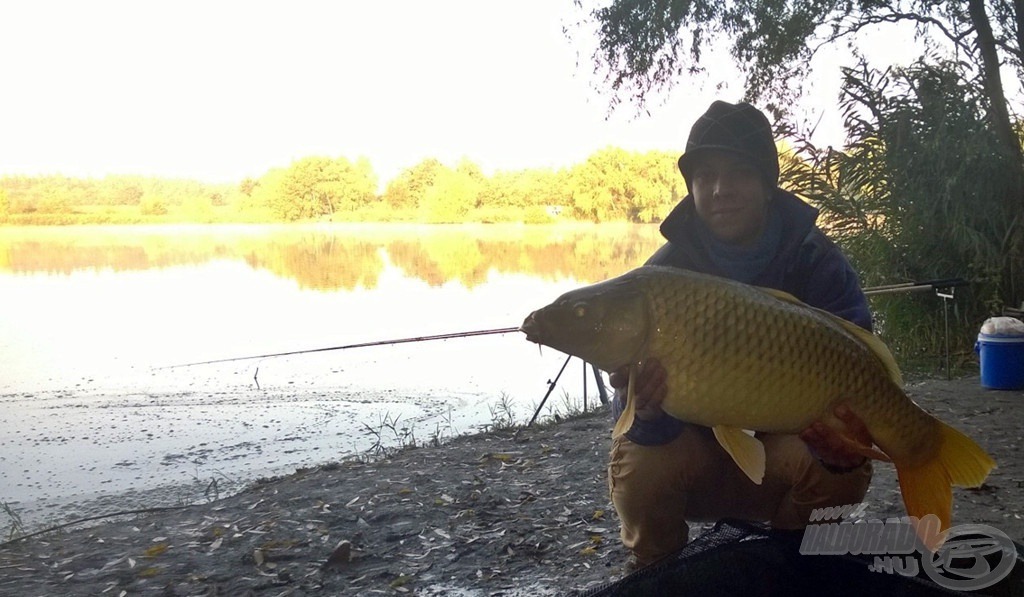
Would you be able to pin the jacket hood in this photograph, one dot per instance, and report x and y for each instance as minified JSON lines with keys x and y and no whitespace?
{"x":798,"y":217}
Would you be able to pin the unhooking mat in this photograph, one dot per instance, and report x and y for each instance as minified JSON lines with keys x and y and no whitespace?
{"x":751,"y":560}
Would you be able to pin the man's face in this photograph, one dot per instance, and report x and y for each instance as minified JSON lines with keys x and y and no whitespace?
{"x":731,"y":196}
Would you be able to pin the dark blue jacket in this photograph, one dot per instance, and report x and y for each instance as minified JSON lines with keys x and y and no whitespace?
{"x":808,"y":265}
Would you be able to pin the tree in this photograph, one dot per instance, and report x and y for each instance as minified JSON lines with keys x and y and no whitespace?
{"x":52,"y":197}
{"x":451,"y":197}
{"x":471,"y":170}
{"x":644,"y":46}
{"x":247,"y":186}
{"x":5,"y":205}
{"x":121,"y":190}
{"x":649,"y":45}
{"x":409,"y":189}
{"x":198,"y":208}
{"x":614,"y":184}
{"x":923,"y":175}
{"x":152,"y":205}
{"x":519,"y":189}
{"x":313,"y":187}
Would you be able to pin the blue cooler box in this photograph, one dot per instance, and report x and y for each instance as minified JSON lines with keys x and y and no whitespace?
{"x":1002,"y":361}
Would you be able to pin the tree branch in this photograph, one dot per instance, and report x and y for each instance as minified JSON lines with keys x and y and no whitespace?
{"x":89,"y":519}
{"x":896,"y":17}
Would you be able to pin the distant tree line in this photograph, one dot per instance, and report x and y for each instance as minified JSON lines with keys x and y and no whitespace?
{"x":611,"y":185}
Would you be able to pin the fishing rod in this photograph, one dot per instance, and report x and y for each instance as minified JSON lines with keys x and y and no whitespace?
{"x":916,"y":286}
{"x":347,"y":346}
{"x":551,"y":388}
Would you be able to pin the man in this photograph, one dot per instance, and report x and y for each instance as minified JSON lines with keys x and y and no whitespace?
{"x":735,"y":223}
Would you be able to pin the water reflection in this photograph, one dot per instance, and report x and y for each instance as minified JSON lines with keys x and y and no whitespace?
{"x":332,"y":258}
{"x":90,"y":317}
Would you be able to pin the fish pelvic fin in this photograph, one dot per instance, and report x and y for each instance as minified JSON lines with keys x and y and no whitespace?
{"x":746,"y":451}
{"x":867,"y":451}
{"x":927,"y":488}
{"x":625,"y":421}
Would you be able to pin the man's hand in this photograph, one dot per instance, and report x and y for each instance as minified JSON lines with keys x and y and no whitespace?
{"x":649,"y":387}
{"x":828,"y":445}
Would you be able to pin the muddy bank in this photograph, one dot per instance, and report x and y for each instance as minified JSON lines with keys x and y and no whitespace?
{"x":501,"y":513}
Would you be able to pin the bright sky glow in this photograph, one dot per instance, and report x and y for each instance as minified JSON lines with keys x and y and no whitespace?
{"x":223,"y":90}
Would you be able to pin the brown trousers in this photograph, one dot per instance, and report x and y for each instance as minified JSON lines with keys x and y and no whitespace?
{"x":656,"y":489}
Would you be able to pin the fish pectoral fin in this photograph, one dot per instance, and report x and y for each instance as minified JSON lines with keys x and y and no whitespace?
{"x":864,"y":450}
{"x":746,"y":451}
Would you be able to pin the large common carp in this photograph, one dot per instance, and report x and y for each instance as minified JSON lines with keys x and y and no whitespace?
{"x":741,"y":357}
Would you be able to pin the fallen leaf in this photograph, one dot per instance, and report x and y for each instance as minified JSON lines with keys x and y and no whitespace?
{"x":156,"y":550}
{"x":113,"y":563}
{"x":216,"y":544}
{"x":401,"y":581}
{"x":257,"y":556}
{"x":340,"y":557}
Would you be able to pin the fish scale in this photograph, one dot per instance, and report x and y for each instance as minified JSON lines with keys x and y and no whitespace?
{"x":738,"y":357}
{"x":732,"y":347}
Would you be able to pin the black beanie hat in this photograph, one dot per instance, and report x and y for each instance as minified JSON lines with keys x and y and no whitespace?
{"x":738,"y":128}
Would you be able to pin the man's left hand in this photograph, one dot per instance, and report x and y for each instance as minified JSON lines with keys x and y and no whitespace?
{"x":828,"y":445}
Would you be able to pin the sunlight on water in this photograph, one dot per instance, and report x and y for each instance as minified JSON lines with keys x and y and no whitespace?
{"x":91,"y":319}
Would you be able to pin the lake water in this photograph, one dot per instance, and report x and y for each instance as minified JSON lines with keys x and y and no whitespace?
{"x":91,"y":318}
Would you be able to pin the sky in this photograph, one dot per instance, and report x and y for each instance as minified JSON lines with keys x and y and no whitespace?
{"x":223,"y":90}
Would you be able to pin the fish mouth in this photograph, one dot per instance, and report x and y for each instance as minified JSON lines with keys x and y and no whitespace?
{"x":531,"y":327}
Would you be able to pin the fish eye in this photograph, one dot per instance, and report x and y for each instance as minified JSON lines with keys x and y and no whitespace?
{"x":580,"y":310}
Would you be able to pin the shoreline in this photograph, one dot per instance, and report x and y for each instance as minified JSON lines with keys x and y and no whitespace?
{"x":499,"y":512}
{"x":72,"y":456}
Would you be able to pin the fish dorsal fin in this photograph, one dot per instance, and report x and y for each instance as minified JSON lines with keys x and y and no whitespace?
{"x":629,"y":413}
{"x":782,"y":295}
{"x":746,"y":450}
{"x":872,"y":341}
{"x":876,"y":345}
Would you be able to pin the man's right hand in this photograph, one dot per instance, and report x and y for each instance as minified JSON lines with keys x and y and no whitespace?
{"x":650,"y":388}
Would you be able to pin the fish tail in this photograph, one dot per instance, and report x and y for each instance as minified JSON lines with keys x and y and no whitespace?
{"x":927,"y":488}
{"x":625,"y":421}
